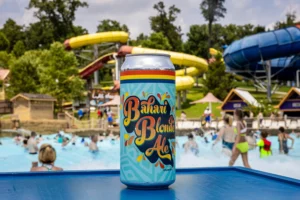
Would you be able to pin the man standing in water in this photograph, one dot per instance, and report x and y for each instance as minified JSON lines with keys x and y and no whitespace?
{"x":32,"y":144}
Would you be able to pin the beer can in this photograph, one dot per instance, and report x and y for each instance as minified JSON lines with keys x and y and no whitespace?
{"x":147,"y":121}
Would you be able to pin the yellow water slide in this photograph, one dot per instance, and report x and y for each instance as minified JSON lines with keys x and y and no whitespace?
{"x":97,"y":38}
{"x":184,"y":77}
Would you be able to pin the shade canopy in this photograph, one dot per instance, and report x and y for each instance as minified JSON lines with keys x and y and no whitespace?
{"x":209,"y":98}
{"x":114,"y":102}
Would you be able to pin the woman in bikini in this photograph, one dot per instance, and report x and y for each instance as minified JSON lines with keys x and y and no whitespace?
{"x":47,"y":157}
{"x":241,"y":145}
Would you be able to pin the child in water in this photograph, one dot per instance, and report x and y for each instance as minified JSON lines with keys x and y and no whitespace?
{"x":206,"y":140}
{"x":264,"y":145}
{"x":93,"y":145}
{"x":191,"y":145}
{"x":25,"y":141}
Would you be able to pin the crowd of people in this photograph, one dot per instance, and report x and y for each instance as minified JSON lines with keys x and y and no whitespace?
{"x":46,"y":152}
{"x":105,"y":112}
{"x":236,"y":142}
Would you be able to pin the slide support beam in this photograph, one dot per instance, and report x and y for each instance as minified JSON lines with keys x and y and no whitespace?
{"x":178,"y":100}
{"x":269,"y":84}
{"x":96,"y":73}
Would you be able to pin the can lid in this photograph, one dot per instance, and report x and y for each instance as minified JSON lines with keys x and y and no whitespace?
{"x":149,"y":54}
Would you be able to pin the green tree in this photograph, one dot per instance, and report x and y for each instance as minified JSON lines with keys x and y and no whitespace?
{"x":233,"y":32}
{"x":39,"y":35}
{"x":4,"y":42}
{"x":212,"y":11}
{"x":289,"y":21}
{"x":60,"y":13}
{"x":111,"y":25}
{"x":157,"y":41}
{"x":164,"y":23}
{"x":5,"y":59}
{"x":59,"y":74}
{"x":24,"y":74}
{"x":198,"y":36}
{"x":139,"y":40}
{"x":19,"y":49}
{"x":217,"y":81}
{"x":13,"y":32}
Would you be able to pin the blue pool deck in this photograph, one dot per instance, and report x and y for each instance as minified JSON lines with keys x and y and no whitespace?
{"x":198,"y":183}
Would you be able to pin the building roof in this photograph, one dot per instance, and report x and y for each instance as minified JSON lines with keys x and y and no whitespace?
{"x":244,"y":95}
{"x":40,"y":97}
{"x":3,"y":74}
{"x":290,"y":92}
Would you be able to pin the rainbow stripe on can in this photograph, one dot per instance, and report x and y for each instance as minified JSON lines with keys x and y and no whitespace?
{"x":147,"y":76}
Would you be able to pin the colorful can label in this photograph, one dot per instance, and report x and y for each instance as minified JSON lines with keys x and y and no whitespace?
{"x":147,"y":125}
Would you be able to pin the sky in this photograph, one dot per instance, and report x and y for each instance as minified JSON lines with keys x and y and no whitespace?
{"x":135,"y":13}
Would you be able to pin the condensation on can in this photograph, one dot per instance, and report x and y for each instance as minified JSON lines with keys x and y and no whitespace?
{"x":147,"y":121}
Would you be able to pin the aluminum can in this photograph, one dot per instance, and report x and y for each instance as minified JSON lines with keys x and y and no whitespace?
{"x":147,"y":121}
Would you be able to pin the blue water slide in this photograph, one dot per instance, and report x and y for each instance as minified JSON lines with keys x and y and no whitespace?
{"x":280,"y":47}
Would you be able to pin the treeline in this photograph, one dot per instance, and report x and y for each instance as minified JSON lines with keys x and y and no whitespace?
{"x":55,"y":23}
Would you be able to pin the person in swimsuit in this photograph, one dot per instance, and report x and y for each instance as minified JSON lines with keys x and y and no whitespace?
{"x":93,"y":145}
{"x":66,"y":141}
{"x":240,"y":145}
{"x":32,"y":144}
{"x":47,"y":157}
{"x":227,"y":134}
{"x":191,"y":145}
{"x":282,"y":139}
{"x":264,"y":145}
{"x":25,"y":144}
{"x":74,"y":138}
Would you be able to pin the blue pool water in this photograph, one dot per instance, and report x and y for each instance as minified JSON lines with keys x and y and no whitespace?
{"x":13,"y":158}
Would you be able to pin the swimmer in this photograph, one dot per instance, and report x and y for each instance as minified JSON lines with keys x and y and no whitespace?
{"x":73,"y":140}
{"x":226,"y":134}
{"x":101,"y":138}
{"x":32,"y":144}
{"x":206,"y":140}
{"x":66,"y":141}
{"x":113,"y":141}
{"x":93,"y":145}
{"x":86,"y":144}
{"x":214,"y":136}
{"x":25,"y":144}
{"x":39,"y":139}
{"x":60,"y":139}
{"x":191,"y":145}
{"x":18,"y":139}
{"x":282,"y":139}
{"x":82,"y":140}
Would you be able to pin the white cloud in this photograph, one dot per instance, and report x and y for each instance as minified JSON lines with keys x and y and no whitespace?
{"x":240,"y":3}
{"x":277,"y":3}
